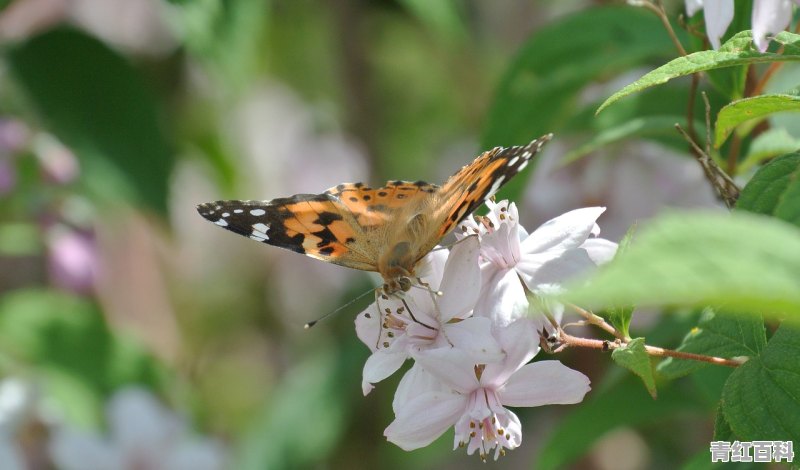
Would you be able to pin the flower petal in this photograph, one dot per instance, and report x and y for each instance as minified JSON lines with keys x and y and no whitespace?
{"x":450,"y":365}
{"x":692,"y":6}
{"x":553,"y":268}
{"x":566,"y":231}
{"x":520,"y":341}
{"x":368,"y":326}
{"x":769,"y":17}
{"x":197,"y":455}
{"x":381,"y":364}
{"x":425,"y":418}
{"x":414,"y":383}
{"x":502,"y":298}
{"x":718,"y":15}
{"x":75,"y":450}
{"x":544,"y":383}
{"x":474,"y":337}
{"x":461,"y":282}
{"x":431,"y":268}
{"x":600,"y":250}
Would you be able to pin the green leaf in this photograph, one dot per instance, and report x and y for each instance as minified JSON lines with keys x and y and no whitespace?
{"x":442,"y":17}
{"x":648,"y":126}
{"x":536,"y":94}
{"x":98,"y":105}
{"x":633,"y":356}
{"x":719,"y":334}
{"x":67,"y":337}
{"x":748,"y":109}
{"x":622,"y":404}
{"x":740,"y":261}
{"x":775,"y":190}
{"x":620,"y":317}
{"x":767,"y":145}
{"x":761,"y":400}
{"x":738,"y":50}
{"x":722,"y":429}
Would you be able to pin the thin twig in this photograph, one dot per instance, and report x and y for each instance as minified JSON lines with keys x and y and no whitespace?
{"x":598,"y":321}
{"x":720,"y":181}
{"x":658,"y":9}
{"x":575,"y":341}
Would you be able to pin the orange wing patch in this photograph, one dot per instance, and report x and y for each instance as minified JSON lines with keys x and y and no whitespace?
{"x":374,"y":207}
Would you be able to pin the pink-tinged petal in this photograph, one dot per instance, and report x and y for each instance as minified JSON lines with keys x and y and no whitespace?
{"x":502,"y":298}
{"x":368,"y":326}
{"x":769,"y":17}
{"x":425,"y":418}
{"x":414,"y":383}
{"x":474,"y":337}
{"x":461,"y":283}
{"x":381,"y":364}
{"x":693,"y":6}
{"x":552,"y":268}
{"x":600,"y":250}
{"x":544,"y":383}
{"x":520,"y":341}
{"x":718,"y":15}
{"x":431,"y":268}
{"x":450,"y":365}
{"x":566,"y":231}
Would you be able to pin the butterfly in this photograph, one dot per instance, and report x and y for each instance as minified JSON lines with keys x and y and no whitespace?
{"x":388,"y":229}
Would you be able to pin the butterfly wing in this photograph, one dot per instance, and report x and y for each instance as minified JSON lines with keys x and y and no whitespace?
{"x":317,"y":225}
{"x":471,"y":186}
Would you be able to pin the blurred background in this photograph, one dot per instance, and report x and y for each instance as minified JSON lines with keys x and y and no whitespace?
{"x":124,"y":314}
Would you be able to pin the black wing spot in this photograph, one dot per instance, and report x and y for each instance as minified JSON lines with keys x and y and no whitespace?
{"x":420,"y":183}
{"x":350,"y":240}
{"x":367,"y":197}
{"x":327,"y":218}
{"x":359,"y":185}
{"x":382,"y":193}
{"x":326,"y":251}
{"x":353,"y":199}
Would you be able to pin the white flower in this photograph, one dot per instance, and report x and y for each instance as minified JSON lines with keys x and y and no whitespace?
{"x":512,"y":260}
{"x":718,"y":15}
{"x":475,"y":403}
{"x":143,"y":434}
{"x":396,"y":330}
{"x":770,"y":17}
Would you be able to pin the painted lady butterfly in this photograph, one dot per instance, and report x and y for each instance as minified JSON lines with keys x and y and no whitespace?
{"x":387,"y":230}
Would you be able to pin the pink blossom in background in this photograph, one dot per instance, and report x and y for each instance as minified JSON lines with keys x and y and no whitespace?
{"x":72,"y":259}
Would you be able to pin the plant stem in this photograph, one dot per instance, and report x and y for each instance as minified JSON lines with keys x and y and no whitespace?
{"x":575,"y":341}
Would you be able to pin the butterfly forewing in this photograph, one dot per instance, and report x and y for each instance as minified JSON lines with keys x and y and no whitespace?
{"x":313,"y":224}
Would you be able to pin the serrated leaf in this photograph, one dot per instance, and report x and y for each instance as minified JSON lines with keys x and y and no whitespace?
{"x":775,"y":190}
{"x":747,"y":109}
{"x":633,"y":356}
{"x":98,"y":106}
{"x":738,"y":50}
{"x":719,"y":334}
{"x":739,"y":261}
{"x":761,"y":400}
{"x":770,"y":144}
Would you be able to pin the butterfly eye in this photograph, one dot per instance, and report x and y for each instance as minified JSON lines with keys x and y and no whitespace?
{"x":405,"y":284}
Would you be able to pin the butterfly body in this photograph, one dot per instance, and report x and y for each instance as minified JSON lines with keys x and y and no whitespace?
{"x":388,"y":229}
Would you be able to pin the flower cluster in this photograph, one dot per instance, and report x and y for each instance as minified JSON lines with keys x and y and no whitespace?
{"x":471,"y":332}
{"x":769,"y":17}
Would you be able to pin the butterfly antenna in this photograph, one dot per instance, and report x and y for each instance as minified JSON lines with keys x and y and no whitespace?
{"x":314,"y":322}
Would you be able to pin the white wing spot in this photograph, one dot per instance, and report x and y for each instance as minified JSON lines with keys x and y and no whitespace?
{"x":496,"y":186}
{"x":257,"y":212}
{"x":238,"y":211}
{"x":260,"y":229}
{"x":526,"y":154}
{"x":221,"y":223}
{"x":226,"y":214}
{"x":512,"y":161}
{"x":257,"y":238}
{"x":523,"y":165}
